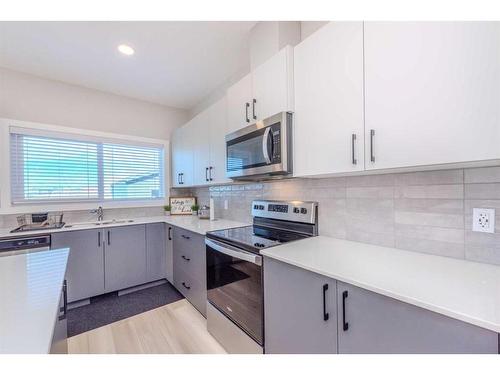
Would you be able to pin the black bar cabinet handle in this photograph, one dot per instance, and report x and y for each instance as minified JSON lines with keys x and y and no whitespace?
{"x":326,"y":315}
{"x":353,"y":140}
{"x":109,"y":238}
{"x":253,"y":109}
{"x":185,"y":258}
{"x":185,"y":237}
{"x":210,"y":173}
{"x":372,"y":153}
{"x":185,"y":286}
{"x":345,"y":325}
{"x":247,"y":105}
{"x":99,"y":239}
{"x":206,"y":174}
{"x":170,"y":233}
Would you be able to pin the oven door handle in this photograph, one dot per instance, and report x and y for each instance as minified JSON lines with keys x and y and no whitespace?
{"x":265,"y":139}
{"x":234,"y":252}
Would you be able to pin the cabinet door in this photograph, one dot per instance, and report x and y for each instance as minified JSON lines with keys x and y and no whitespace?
{"x":431,"y":92}
{"x":125,"y":257}
{"x":177,"y":157}
{"x":378,"y":324}
{"x":156,"y":251}
{"x":200,"y":130}
{"x":218,"y":131}
{"x":295,"y":302}
{"x":187,"y":154}
{"x":239,"y":97}
{"x":85,"y":270}
{"x":272,"y":86}
{"x":170,"y":254}
{"x":329,"y":101}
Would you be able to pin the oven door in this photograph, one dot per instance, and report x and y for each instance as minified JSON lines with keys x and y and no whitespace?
{"x":234,"y":286}
{"x":262,"y":148}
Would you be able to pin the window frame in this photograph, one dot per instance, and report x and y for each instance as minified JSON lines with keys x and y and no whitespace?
{"x":7,"y":203}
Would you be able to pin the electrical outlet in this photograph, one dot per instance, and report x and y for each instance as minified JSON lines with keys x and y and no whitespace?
{"x":483,"y":220}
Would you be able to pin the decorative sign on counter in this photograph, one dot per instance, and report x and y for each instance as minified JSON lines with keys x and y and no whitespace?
{"x":181,"y":205}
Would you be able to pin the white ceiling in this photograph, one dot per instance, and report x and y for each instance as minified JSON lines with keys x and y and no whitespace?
{"x":175,"y":63}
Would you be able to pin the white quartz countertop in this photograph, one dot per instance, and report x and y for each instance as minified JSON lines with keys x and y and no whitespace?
{"x":188,"y":222}
{"x":30,"y":290}
{"x":460,"y":289}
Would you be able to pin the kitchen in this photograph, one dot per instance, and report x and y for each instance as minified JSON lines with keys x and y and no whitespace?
{"x":277,"y":187}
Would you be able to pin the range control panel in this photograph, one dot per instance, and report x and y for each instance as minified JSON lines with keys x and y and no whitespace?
{"x":299,"y":211}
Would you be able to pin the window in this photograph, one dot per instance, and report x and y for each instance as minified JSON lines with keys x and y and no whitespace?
{"x":57,"y":168}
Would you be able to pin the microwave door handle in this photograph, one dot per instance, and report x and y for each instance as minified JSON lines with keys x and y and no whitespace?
{"x":264,"y":145}
{"x":234,"y":252}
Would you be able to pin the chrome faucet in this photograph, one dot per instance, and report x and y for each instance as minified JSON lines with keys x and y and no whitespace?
{"x":100,"y":213}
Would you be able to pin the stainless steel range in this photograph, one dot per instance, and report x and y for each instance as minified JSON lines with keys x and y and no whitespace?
{"x":235,"y":311}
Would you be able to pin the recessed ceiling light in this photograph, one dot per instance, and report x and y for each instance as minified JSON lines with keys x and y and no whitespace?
{"x":126,"y":50}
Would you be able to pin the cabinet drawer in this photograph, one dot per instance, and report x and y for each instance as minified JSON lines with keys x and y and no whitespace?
{"x":184,"y":239}
{"x":189,"y":253}
{"x":194,"y":290}
{"x":191,"y":261}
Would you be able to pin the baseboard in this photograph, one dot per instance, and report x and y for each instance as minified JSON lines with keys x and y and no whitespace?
{"x":141,"y":287}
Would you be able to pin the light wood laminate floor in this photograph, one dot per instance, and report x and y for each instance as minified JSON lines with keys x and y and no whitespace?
{"x":176,"y":328}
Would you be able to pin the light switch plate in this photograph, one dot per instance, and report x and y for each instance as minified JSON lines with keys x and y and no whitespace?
{"x":483,"y":220}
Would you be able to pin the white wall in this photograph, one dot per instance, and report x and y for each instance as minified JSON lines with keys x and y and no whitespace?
{"x":267,"y":38}
{"x":309,"y":27}
{"x":30,"y":98}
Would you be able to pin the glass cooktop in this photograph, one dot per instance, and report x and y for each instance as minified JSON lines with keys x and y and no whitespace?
{"x":255,"y":238}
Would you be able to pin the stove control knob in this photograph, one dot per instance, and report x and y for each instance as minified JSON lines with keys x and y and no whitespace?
{"x":303,"y":210}
{"x":296,"y":210}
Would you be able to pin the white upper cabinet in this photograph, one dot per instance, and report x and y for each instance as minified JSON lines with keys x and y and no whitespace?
{"x":176,"y":146}
{"x":218,"y":130}
{"x":328,"y":118}
{"x":432,"y":93}
{"x":264,"y":92}
{"x":272,"y":86}
{"x":239,"y":97}
{"x":199,"y":148}
{"x":182,"y":156}
{"x":187,"y":159}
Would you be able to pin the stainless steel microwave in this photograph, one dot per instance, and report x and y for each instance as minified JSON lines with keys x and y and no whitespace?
{"x":261,"y":150}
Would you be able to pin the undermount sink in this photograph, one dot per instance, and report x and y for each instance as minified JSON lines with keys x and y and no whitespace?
{"x":98,"y":223}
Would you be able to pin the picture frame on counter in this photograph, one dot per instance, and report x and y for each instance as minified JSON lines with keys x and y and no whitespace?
{"x":181,"y":205}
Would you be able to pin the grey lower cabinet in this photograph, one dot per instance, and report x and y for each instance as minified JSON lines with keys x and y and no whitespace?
{"x":85,"y":270}
{"x":378,"y":324}
{"x":300,"y":310}
{"x":359,"y":321}
{"x":124,"y":257}
{"x":189,"y":256}
{"x":156,"y":252}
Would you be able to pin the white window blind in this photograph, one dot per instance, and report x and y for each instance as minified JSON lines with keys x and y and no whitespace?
{"x":59,"y":169}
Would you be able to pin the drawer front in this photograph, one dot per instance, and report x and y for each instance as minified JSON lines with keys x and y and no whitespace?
{"x":194,"y":291}
{"x":191,"y":261}
{"x":189,"y":254}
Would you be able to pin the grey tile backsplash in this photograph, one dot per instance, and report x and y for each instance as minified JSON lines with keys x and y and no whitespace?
{"x":428,"y":212}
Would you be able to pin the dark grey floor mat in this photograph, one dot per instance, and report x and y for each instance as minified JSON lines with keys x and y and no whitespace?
{"x":110,"y":308}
